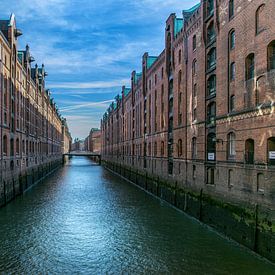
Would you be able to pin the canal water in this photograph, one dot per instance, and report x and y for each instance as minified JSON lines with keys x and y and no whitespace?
{"x":84,"y":220}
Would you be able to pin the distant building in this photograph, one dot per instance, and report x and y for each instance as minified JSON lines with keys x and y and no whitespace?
{"x":93,"y":141}
{"x":78,"y":145}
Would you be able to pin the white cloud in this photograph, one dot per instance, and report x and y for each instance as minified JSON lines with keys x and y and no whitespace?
{"x":89,"y":85}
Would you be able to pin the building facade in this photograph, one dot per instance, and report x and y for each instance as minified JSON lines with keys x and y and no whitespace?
{"x":31,"y":127}
{"x":93,"y":141}
{"x":201,"y":114}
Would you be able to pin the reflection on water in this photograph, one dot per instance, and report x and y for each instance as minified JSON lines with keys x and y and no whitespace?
{"x":85,"y":220}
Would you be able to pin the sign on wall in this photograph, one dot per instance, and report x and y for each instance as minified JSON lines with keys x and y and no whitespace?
{"x":211,"y":156}
{"x":271,"y":154}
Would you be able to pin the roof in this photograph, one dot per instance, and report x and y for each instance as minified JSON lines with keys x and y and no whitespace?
{"x":137,"y":77}
{"x":127,"y":91}
{"x":188,"y":13}
{"x":178,"y":24}
{"x":150,"y":61}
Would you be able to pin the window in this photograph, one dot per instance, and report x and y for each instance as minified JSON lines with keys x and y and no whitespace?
{"x":17,"y":146}
{"x":211,"y":58}
{"x":195,"y":114}
{"x":249,"y":151}
{"x":271,"y":56}
{"x":231,"y":143}
{"x":162,"y":73}
{"x":156,"y":149}
{"x":156,"y":79}
{"x":11,"y":147}
{"x":194,"y":172}
{"x":210,"y":7}
{"x":229,"y":179}
{"x":232,"y":40}
{"x":232,"y":103}
{"x":211,"y":147}
{"x":5,"y":145}
{"x":250,"y":66}
{"x":232,"y":71}
{"x":211,"y":85}
{"x":162,"y":149}
{"x":211,"y":176}
{"x":195,"y":90}
{"x":271,"y":150}
{"x":231,"y":9}
{"x":211,"y":113}
{"x":179,"y":56}
{"x":179,"y":148}
{"x":194,"y":67}
{"x":211,"y":34}
{"x":194,"y":42}
{"x":179,"y":78}
{"x":260,"y":17}
{"x":171,"y":87}
{"x":260,"y":183}
{"x":194,"y":148}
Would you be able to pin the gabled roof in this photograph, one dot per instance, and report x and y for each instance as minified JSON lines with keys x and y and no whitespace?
{"x":127,"y":91}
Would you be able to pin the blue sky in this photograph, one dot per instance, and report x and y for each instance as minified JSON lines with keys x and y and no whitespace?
{"x":90,"y":47}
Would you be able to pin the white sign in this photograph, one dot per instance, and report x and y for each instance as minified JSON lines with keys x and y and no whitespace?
{"x":211,"y":156}
{"x":272,"y":155}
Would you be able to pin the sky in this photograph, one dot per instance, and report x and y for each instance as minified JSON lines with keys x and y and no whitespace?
{"x":90,"y":48}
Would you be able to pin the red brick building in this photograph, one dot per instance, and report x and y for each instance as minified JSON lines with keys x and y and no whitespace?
{"x":203,"y":109}
{"x":202,"y":112}
{"x":93,"y":141}
{"x":33,"y":134}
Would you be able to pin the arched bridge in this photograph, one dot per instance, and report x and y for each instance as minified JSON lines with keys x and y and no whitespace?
{"x":95,"y":156}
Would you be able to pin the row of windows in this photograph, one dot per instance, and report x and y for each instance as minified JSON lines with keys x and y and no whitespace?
{"x":26,"y":147}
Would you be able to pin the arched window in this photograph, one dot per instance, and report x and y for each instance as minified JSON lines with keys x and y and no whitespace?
{"x":194,"y":148}
{"x":23,"y":146}
{"x":211,"y":113}
{"x":231,"y":145}
{"x":194,"y":67}
{"x":232,"y":39}
{"x":232,"y":103}
{"x":271,"y":56}
{"x":195,"y":92}
{"x":250,"y":66}
{"x":179,"y":148}
{"x":249,"y":151}
{"x":211,"y":34}
{"x":11,"y":147}
{"x":211,"y":147}
{"x":194,"y":42}
{"x":211,"y":58}
{"x":231,"y":9}
{"x":211,"y":85}
{"x":5,"y":145}
{"x":232,"y":71}
{"x":194,"y":113}
{"x":260,"y":17}
{"x":17,"y":146}
{"x":271,"y":150}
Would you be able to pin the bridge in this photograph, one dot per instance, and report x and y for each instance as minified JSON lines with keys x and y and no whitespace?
{"x":94,"y":156}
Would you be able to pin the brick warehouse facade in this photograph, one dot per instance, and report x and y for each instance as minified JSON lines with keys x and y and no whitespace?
{"x":198,"y":121}
{"x":33,"y":134}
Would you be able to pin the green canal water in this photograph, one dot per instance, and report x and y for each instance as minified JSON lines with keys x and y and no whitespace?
{"x":84,"y":220}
